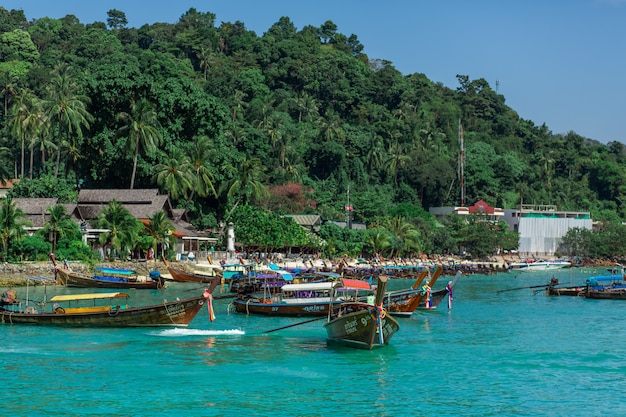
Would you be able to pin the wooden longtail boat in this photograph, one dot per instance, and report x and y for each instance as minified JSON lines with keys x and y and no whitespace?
{"x":361,"y":325}
{"x":403,"y":303}
{"x":106,"y":310}
{"x":70,"y":278}
{"x":295,"y":300}
{"x":603,"y":287}
{"x":180,"y":275}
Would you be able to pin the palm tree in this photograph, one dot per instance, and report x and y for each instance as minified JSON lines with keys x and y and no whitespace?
{"x":172,"y":175}
{"x":280,"y":140}
{"x":8,"y":88}
{"x":206,"y":57}
{"x":331,"y":129}
{"x":235,"y":133}
{"x":407,"y":234}
{"x":24,"y":119}
{"x":6,"y":161}
{"x":375,"y":154}
{"x":307,"y":106}
{"x":66,"y":108}
{"x":141,"y":126}
{"x":397,"y":159}
{"x":12,"y":223}
{"x":246,"y":185}
{"x":159,"y":229}
{"x":59,"y":224}
{"x":123,"y":228}
{"x":239,"y":102}
{"x":380,"y":241}
{"x":43,"y":141}
{"x":198,"y":166}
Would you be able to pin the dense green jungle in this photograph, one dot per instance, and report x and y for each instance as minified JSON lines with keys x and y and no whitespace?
{"x":244,"y":127}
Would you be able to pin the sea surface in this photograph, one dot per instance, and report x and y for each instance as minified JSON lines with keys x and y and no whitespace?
{"x":508,"y":353}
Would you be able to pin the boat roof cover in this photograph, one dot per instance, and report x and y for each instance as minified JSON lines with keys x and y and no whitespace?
{"x":73,"y":297}
{"x":355,"y":283}
{"x":310,"y":286}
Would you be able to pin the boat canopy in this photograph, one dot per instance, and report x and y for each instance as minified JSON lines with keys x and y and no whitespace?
{"x":355,"y":283}
{"x":313,"y":286}
{"x":94,"y":296}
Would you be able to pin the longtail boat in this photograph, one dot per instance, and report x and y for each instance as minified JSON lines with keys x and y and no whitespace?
{"x":104,"y":310}
{"x":358,"y":324}
{"x":403,"y":303}
{"x":180,"y":275}
{"x":603,"y":287}
{"x":71,"y":278}
{"x":294,"y":300}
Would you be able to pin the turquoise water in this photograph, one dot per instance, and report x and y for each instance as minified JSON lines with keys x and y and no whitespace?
{"x":507,"y":354}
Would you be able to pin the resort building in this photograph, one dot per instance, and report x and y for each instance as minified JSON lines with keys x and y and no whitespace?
{"x":141,"y":203}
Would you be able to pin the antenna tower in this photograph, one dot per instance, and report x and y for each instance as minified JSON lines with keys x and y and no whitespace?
{"x":462,"y":163}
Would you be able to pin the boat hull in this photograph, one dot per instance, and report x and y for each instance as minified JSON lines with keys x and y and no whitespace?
{"x":281,"y":309}
{"x":180,"y":275}
{"x":358,"y":329}
{"x":74,"y":279}
{"x":566,"y":291}
{"x":538,"y":266}
{"x":606,"y":294}
{"x":174,"y":313}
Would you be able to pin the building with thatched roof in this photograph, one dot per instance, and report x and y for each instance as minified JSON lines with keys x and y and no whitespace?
{"x":142,"y":204}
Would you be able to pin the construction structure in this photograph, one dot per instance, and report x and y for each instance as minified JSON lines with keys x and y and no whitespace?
{"x":541,"y":227}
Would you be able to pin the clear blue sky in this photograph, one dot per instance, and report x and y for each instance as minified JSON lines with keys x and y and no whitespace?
{"x":558,"y":62}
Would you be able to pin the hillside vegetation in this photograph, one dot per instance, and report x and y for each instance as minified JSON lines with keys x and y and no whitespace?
{"x":291,"y":120}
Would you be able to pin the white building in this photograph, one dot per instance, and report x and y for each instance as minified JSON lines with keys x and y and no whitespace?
{"x":541,"y":227}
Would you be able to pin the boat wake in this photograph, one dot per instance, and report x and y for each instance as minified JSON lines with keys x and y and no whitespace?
{"x":197,"y":332}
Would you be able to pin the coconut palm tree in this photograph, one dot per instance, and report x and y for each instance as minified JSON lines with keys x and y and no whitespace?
{"x":8,"y":87}
{"x":172,"y":174}
{"x":397,"y":159}
{"x":246,"y":184}
{"x":198,"y":165}
{"x":12,"y":223}
{"x":24,"y":118}
{"x":123,"y":228}
{"x":307,"y":107}
{"x":141,"y":125}
{"x":66,"y":108}
{"x":379,"y":240}
{"x":159,"y":228}
{"x":59,"y":224}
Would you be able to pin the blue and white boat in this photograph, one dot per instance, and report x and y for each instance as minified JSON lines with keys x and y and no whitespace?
{"x":538,"y":265}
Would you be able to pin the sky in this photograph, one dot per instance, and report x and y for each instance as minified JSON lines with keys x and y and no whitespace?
{"x":558,"y":62}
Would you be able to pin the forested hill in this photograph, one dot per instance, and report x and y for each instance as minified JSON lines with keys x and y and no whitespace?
{"x":290,"y":120}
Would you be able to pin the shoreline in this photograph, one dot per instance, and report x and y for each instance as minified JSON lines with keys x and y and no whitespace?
{"x":17,"y":274}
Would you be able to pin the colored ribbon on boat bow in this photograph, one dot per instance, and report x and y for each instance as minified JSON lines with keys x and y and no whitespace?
{"x":209,"y":303}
